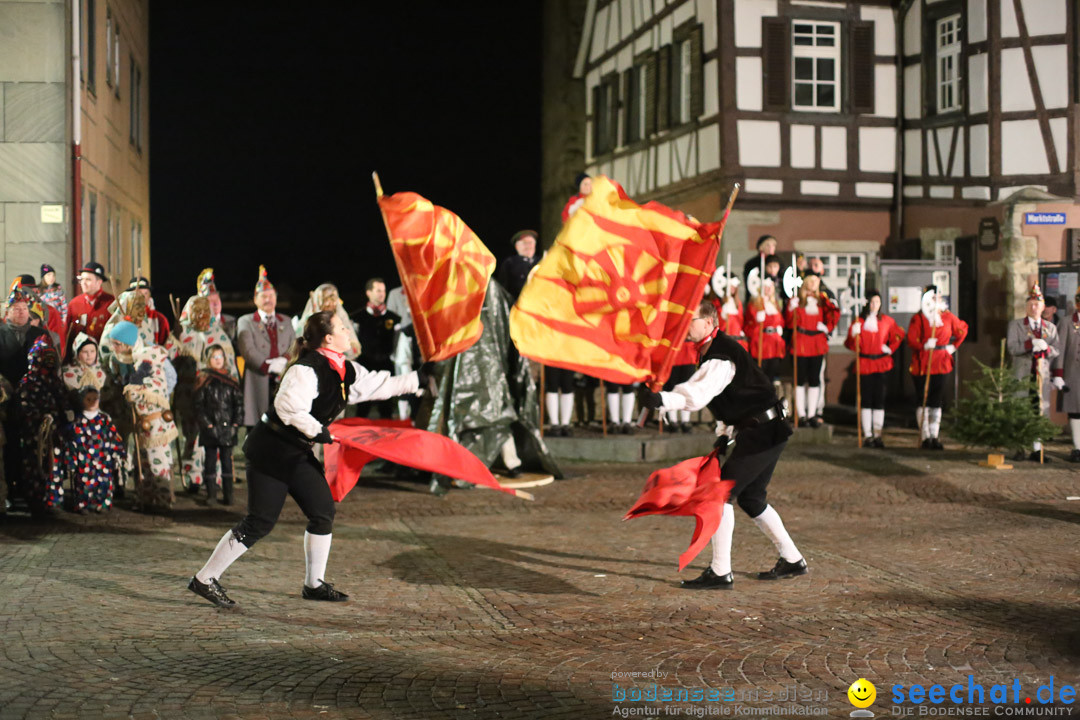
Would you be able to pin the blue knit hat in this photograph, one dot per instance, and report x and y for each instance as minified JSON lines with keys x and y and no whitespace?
{"x":125,"y":332}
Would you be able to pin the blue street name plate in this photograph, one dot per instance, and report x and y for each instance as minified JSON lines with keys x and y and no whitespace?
{"x":1044,"y":218}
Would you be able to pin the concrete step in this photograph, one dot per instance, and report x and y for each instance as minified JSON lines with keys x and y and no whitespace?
{"x":647,"y":445}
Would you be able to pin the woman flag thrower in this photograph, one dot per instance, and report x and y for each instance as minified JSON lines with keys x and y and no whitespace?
{"x":314,"y":389}
{"x":741,"y":397}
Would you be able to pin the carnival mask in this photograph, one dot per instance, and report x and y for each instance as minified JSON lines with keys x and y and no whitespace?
{"x":137,"y":308}
{"x":200,"y":314}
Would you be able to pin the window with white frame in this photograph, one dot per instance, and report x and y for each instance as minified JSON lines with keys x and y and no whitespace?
{"x":685,"y":85}
{"x":841,"y":270}
{"x":947,"y":36}
{"x":108,"y":46}
{"x":815,"y":56}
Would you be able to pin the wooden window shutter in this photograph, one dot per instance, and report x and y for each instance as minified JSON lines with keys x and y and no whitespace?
{"x":929,"y":68}
{"x":663,"y":88}
{"x":697,"y":73}
{"x":862,"y":67}
{"x":650,"y":94}
{"x":775,"y":64}
{"x":596,"y":118}
{"x":628,"y":106}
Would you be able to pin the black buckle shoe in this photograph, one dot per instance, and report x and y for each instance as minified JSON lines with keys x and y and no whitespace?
{"x":709,"y":580}
{"x":927,"y":444}
{"x":1074,"y":456}
{"x":879,"y":443}
{"x":937,"y":444}
{"x":212,"y":591}
{"x":325,"y":592}
{"x":784,"y":569}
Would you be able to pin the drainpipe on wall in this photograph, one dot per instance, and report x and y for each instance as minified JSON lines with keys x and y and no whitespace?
{"x":76,"y":138}
{"x":898,"y":195}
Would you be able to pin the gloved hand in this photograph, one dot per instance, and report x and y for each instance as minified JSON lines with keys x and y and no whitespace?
{"x":1059,"y":383}
{"x":425,"y":377}
{"x":760,"y":316}
{"x":324,"y":436}
{"x":793,"y":303}
{"x":1038,"y":345}
{"x":650,"y":400}
{"x":930,"y":344}
{"x":886,"y":349}
{"x":823,"y":327}
{"x":950,"y":348}
{"x":276,"y":365}
{"x":856,"y":329}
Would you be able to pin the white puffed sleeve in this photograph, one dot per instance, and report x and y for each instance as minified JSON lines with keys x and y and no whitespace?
{"x":380,"y":385}
{"x":299,"y":388}
{"x":709,"y":381}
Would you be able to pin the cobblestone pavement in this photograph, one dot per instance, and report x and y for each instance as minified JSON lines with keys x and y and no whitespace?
{"x":924,"y":569}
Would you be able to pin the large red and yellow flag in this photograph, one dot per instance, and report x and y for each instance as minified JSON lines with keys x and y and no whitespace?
{"x":444,"y":269}
{"x":614,"y":296}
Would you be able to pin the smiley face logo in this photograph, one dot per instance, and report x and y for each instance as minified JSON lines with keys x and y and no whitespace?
{"x":862,"y":693}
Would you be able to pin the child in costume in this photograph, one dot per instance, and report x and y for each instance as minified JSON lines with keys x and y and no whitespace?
{"x":41,"y":399}
{"x":219,"y":406}
{"x":91,"y":456}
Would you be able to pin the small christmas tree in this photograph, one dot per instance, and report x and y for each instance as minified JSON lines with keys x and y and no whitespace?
{"x":1000,"y":412}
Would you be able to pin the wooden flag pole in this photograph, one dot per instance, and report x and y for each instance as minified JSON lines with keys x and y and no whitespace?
{"x":1038,"y":379}
{"x":542,"y":401}
{"x":858,"y":389}
{"x":925,"y":415}
{"x":761,"y":325}
{"x":795,"y":363}
{"x":603,"y":409}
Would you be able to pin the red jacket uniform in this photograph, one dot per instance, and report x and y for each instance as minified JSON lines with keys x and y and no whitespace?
{"x":772,"y":337}
{"x":871,"y":357}
{"x":808,"y":340}
{"x":731,"y":323}
{"x":161,"y":325}
{"x":95,"y":310}
{"x":573,"y":202}
{"x":953,"y":330}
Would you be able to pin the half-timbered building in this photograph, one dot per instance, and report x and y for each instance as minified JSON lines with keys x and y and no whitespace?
{"x":858,"y":130}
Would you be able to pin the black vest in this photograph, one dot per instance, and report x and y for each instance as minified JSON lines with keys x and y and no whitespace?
{"x":749,"y":393}
{"x":333,"y":390}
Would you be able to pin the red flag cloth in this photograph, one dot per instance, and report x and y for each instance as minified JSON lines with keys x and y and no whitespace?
{"x":361,"y":440}
{"x":693,"y":487}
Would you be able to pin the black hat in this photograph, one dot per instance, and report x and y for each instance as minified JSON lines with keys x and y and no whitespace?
{"x":46,"y":268}
{"x":578,"y":179}
{"x":139,"y":283}
{"x":523,"y":233}
{"x":763,"y":238}
{"x":25,"y":279}
{"x":94,"y":268}
{"x":773,"y":259}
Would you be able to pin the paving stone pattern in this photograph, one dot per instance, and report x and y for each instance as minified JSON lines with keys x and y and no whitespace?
{"x":924,"y":569}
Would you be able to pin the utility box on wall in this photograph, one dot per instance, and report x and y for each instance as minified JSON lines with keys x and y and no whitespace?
{"x":902,"y":285}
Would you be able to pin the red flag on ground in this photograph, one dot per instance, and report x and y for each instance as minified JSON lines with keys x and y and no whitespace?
{"x":693,"y":487}
{"x":361,"y":440}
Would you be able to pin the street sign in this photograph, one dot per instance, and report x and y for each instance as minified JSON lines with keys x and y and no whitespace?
{"x":1044,"y":218}
{"x":52,"y":213}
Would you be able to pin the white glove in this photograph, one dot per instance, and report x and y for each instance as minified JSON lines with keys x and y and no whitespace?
{"x":1038,"y":345}
{"x":276,"y":365}
{"x":760,"y":316}
{"x":950,"y":348}
{"x":856,"y":330}
{"x":793,"y":303}
{"x":930,"y":344}
{"x":823,"y":327}
{"x":886,"y":349}
{"x":1058,"y":382}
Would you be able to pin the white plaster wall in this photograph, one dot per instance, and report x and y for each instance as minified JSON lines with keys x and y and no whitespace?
{"x":1016,"y":88}
{"x":711,"y":82}
{"x":599,"y":38}
{"x":875,"y":190}
{"x":819,"y":187}
{"x":834,"y":148}
{"x":1051,"y":68}
{"x":759,"y":143}
{"x":1044,"y":17}
{"x":884,"y":28}
{"x":1022,"y":150}
{"x":877,"y":149}
{"x":709,"y":148}
{"x":748,"y":83}
{"x":958,"y":161}
{"x":975,"y":192}
{"x":1059,"y":128}
{"x":912,"y":152}
{"x":683,"y":13}
{"x":978,"y":82}
{"x":979,"y":158}
{"x":885,"y":90}
{"x":706,"y":14}
{"x":663,"y":164}
{"x":1009,"y":27}
{"x":802,"y":146}
{"x":912,"y":92}
{"x":976,"y":20}
{"x":759,"y":185}
{"x":913,"y":30}
{"x":748,"y":14}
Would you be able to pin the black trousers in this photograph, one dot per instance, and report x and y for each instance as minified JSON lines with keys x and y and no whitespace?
{"x":936,"y":393}
{"x":210,"y":469}
{"x":772,"y":367}
{"x":873,"y":391}
{"x":266,"y":496}
{"x":627,"y":389}
{"x":558,"y":380}
{"x":810,"y":370}
{"x":751,"y":472}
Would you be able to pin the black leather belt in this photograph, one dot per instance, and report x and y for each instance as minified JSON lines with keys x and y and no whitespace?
{"x":774,"y":330}
{"x":864,"y":356}
{"x":776,"y":411}
{"x":287,"y":434}
{"x":811,"y":332}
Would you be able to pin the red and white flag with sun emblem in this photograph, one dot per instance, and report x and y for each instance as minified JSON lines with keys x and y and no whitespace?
{"x":614,"y":296}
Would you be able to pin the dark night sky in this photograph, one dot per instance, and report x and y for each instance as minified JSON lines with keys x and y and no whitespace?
{"x":267,"y":118}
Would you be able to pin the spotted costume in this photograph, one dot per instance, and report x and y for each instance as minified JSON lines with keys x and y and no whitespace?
{"x":41,"y":401}
{"x":91,"y":457}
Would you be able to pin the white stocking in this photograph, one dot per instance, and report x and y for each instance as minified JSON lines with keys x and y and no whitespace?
{"x":1074,"y":427}
{"x":316,"y":553}
{"x":566,"y":408}
{"x":769,"y":522}
{"x":684,"y":416}
{"x":923,"y":421}
{"x":551,"y":405}
{"x":812,"y":394}
{"x":867,"y":417}
{"x":628,"y":407}
{"x":508,"y":451}
{"x":613,"y":407}
{"x":935,"y":421}
{"x":721,"y":542}
{"x":879,"y":422}
{"x":800,"y":401}
{"x":227,"y":551}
